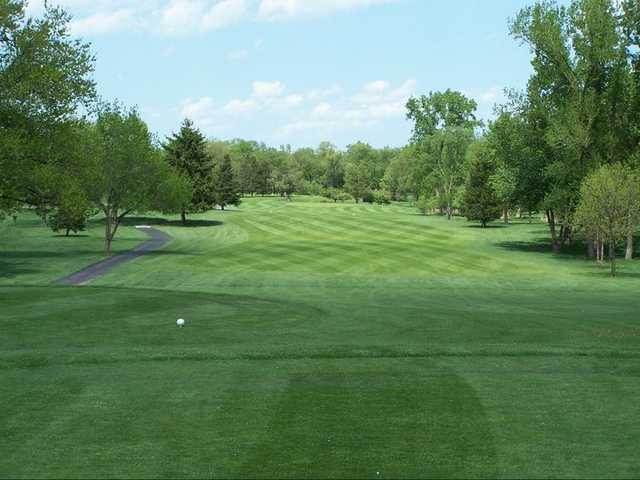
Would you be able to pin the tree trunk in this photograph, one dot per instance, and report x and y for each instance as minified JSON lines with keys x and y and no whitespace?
{"x":629,"y":250}
{"x":67,"y":234}
{"x":567,"y":235}
{"x":222,"y":207}
{"x":183,"y":216}
{"x":612,"y":257}
{"x":555,"y":242}
{"x":591,"y":249}
{"x":505,"y":215}
{"x":108,"y":235}
{"x":600,"y":253}
{"x":530,"y":220}
{"x":449,"y":211}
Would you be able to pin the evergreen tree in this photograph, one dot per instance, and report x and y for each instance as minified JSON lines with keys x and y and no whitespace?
{"x":225,"y":188}
{"x":187,"y":152}
{"x":480,"y":201}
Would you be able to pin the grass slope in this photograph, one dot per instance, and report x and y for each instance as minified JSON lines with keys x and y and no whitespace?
{"x":323,"y":340}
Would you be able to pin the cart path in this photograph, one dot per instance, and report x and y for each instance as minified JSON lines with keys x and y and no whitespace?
{"x":158,"y":240}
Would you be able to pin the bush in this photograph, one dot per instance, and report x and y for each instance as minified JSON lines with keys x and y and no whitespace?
{"x":368,"y":197}
{"x":330,"y":193}
{"x":381,"y":197}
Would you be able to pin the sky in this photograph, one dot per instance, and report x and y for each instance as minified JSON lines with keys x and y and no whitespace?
{"x":297,"y":72}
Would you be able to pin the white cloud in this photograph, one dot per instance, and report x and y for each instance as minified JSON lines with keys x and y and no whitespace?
{"x":267,"y":89}
{"x":376,"y":87}
{"x":374,"y":103}
{"x":224,"y":13}
{"x":188,"y":17}
{"x":291,"y":101}
{"x":491,"y":95}
{"x":180,"y":16}
{"x":239,"y":106}
{"x":284,"y":114}
{"x":321,"y":93}
{"x":274,"y":10}
{"x":197,"y":109}
{"x":104,"y":22}
{"x":322,"y":110}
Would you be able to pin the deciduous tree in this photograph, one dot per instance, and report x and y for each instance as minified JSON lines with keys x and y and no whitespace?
{"x":609,"y":207}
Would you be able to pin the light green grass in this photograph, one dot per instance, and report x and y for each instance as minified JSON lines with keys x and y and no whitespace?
{"x":322,"y":340}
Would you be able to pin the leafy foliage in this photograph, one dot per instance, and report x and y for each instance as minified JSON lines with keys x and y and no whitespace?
{"x":609,"y":208}
{"x":480,"y":201}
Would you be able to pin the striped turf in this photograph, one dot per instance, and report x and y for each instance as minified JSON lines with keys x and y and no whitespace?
{"x":322,"y":340}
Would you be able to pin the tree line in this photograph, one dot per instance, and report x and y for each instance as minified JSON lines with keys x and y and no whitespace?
{"x":560,"y":148}
{"x":69,"y":155}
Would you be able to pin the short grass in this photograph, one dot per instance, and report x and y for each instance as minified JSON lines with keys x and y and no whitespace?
{"x":322,"y":340}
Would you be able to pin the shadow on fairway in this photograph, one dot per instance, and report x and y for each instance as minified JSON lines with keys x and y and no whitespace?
{"x":487,"y":227}
{"x":603,"y":271}
{"x":577,"y":251}
{"x":29,"y":254}
{"x":71,"y":235}
{"x":156,"y":221}
{"x":13,"y":269}
{"x":352,"y":419}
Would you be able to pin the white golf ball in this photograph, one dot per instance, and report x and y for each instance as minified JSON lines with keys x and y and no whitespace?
{"x":180,"y":322}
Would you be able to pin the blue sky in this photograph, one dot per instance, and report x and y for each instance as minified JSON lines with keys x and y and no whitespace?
{"x":297,"y":71}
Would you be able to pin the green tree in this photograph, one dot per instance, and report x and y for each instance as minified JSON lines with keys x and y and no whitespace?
{"x":480,"y":201}
{"x":609,"y":207}
{"x":72,"y":213}
{"x":440,"y":110}
{"x":126,"y":173}
{"x":224,"y":184}
{"x":504,"y":184}
{"x":187,"y":153}
{"x":334,"y":167}
{"x":359,"y":170}
{"x":577,"y":100}
{"x":45,"y":77}
{"x":446,"y":150}
{"x":443,"y":128}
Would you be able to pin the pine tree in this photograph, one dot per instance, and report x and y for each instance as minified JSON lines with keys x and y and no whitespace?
{"x":480,"y":201}
{"x":225,"y":188}
{"x":187,"y":152}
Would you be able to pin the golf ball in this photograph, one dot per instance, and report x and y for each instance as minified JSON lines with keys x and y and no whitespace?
{"x":180,"y":322}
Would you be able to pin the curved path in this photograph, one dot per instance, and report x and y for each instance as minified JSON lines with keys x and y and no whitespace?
{"x":158,"y":240}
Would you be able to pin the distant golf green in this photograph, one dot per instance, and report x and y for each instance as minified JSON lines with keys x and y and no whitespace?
{"x":322,"y":340}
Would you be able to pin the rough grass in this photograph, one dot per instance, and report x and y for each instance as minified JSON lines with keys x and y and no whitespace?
{"x":322,"y":340}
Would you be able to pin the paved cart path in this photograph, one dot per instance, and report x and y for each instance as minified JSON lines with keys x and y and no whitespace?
{"x":158,"y":240}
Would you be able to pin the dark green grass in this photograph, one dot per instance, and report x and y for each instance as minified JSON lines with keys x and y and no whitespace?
{"x":30,"y":253}
{"x":322,"y":341}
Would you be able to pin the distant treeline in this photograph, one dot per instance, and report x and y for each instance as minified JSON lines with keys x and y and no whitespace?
{"x":566,"y":146}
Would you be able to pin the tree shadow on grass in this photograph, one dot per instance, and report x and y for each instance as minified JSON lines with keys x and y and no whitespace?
{"x":486,"y":227}
{"x":157,"y":221}
{"x":603,"y":271}
{"x":543,"y":245}
{"x":14,"y":269}
{"x":62,"y":235}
